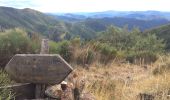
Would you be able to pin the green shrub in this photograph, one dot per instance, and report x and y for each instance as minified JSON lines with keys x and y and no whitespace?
{"x":141,"y":57}
{"x":107,"y":53}
{"x":5,"y":94}
{"x":65,"y":50}
{"x":76,"y":42}
{"x":14,"y":41}
{"x":53,"y":47}
{"x":85,"y":57}
{"x":121,"y":55}
{"x":132,"y":45}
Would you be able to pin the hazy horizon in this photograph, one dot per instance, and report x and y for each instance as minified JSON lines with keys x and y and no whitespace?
{"x":83,"y":6}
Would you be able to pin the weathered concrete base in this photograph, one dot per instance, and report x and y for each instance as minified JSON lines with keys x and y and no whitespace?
{"x":22,"y":91}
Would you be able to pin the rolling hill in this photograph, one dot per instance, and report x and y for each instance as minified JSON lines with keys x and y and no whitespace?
{"x":36,"y":22}
{"x":144,"y":15}
{"x":102,"y":23}
{"x":70,"y":25}
{"x":31,"y":20}
{"x":162,"y":32}
{"x":100,"y":20}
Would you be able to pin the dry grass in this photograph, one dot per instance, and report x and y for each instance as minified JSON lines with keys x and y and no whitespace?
{"x":125,"y":81}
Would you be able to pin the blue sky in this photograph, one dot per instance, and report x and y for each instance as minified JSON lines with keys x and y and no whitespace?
{"x":88,"y":5}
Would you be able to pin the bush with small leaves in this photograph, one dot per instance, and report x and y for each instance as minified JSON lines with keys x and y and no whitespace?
{"x":65,"y":50}
{"x":13,"y":41}
{"x":107,"y":53}
{"x":85,"y":57}
{"x":5,"y":94}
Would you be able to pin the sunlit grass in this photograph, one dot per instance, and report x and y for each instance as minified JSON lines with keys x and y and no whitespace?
{"x":126,"y":81}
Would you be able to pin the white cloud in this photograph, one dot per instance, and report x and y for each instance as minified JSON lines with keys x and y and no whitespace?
{"x":90,"y":5}
{"x":17,"y":3}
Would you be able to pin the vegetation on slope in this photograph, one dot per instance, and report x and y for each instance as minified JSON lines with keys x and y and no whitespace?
{"x":112,"y":44}
{"x":16,"y":41}
{"x":5,"y":94}
{"x":162,"y":32}
{"x":103,"y":23}
{"x":88,"y":28}
{"x":132,"y":44}
{"x":98,"y":56}
{"x":30,"y":20}
{"x":36,"y":22}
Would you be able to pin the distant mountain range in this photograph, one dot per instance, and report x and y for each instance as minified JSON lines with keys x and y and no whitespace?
{"x":142,"y":15}
{"x":85,"y":25}
{"x":141,"y":19}
{"x":32,"y":21}
{"x":102,"y":23}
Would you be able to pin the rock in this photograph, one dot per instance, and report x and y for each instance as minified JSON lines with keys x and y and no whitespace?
{"x":62,"y":91}
{"x":67,"y":94}
{"x":54,"y":91}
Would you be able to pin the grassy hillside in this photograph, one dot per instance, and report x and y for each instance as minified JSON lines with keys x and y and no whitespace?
{"x":88,"y":28}
{"x":112,"y":67}
{"x":101,"y":24}
{"x":36,"y":22}
{"x":162,"y":32}
{"x":31,"y":20}
{"x":53,"y":27}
